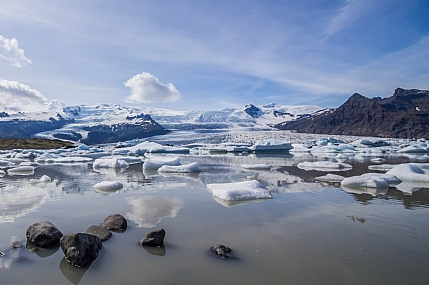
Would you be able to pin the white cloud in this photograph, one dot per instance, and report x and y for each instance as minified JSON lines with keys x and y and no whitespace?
{"x":10,"y":51}
{"x":15,"y":94}
{"x":146,"y":88}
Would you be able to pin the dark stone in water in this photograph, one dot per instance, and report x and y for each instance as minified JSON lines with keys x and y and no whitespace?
{"x":80,"y":248}
{"x":101,"y":232}
{"x":16,"y":244}
{"x":115,"y":222}
{"x":221,"y":250}
{"x":43,"y":234}
{"x":154,"y":238}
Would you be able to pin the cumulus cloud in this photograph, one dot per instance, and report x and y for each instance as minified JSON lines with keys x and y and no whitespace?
{"x":146,"y":88}
{"x":10,"y":51}
{"x":15,"y":94}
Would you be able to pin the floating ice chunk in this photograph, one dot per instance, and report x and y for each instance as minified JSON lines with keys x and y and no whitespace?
{"x":271,"y":145}
{"x":324,"y":166}
{"x":83,"y":147}
{"x":378,"y":160}
{"x":72,"y":159}
{"x":410,"y":172}
{"x":186,"y":168}
{"x":330,"y":178}
{"x":131,"y":159}
{"x":381,"y":167}
{"x":341,"y":157}
{"x":373,"y":191}
{"x":4,"y":163}
{"x":110,"y":162}
{"x":43,"y":179}
{"x":326,"y":141}
{"x":150,"y":147}
{"x":21,"y":170}
{"x":256,"y":166}
{"x":297,"y":147}
{"x":415,"y":148}
{"x":370,"y":143}
{"x":29,"y":163}
{"x":157,"y":162}
{"x":334,"y":148}
{"x":246,"y":190}
{"x":392,"y":180}
{"x":108,"y":186}
{"x":2,"y":173}
{"x":365,"y":182}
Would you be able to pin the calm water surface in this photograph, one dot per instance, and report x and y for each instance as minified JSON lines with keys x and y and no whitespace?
{"x":309,"y":233}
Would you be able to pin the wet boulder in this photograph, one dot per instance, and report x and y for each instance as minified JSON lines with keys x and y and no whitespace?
{"x":43,"y":234}
{"x":79,"y":248}
{"x":221,"y":250}
{"x":101,"y":232}
{"x":153,"y":238}
{"x":115,"y":222}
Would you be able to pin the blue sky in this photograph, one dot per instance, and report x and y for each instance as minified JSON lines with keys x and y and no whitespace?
{"x":198,"y":55}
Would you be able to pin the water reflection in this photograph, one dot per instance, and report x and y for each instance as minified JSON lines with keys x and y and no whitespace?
{"x":147,"y":212}
{"x":155,"y":250}
{"x":42,"y":252}
{"x":72,"y":273}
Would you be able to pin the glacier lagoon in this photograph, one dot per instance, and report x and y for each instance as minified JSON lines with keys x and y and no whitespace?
{"x":309,"y":232}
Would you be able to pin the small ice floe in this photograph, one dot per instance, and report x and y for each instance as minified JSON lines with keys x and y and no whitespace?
{"x":185,"y":168}
{"x":108,"y":186}
{"x":381,"y":167}
{"x":236,"y":191}
{"x":256,"y":166}
{"x":370,"y":143}
{"x":29,"y":163}
{"x":43,"y":179}
{"x":150,"y":147}
{"x":271,"y":145}
{"x":131,"y":159}
{"x":4,"y":163}
{"x":109,"y":162}
{"x":411,"y":172}
{"x":378,"y":160}
{"x":415,"y":148}
{"x":82,"y":147}
{"x":324,"y":166}
{"x":21,"y":170}
{"x":156,"y":162}
{"x":48,"y":158}
{"x":371,"y":180}
{"x":341,"y":157}
{"x":333,"y":178}
{"x":2,"y":173}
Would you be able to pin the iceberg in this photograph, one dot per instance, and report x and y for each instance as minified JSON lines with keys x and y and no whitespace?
{"x":43,"y":179}
{"x":110,"y":162}
{"x":256,"y":166}
{"x":185,"y":168}
{"x":364,"y":182}
{"x":157,"y":162}
{"x":333,"y":178}
{"x":246,"y":190}
{"x":271,"y":145}
{"x":324,"y":166}
{"x":410,"y":172}
{"x":108,"y":186}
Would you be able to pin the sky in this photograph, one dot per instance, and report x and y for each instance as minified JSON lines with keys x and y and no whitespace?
{"x":207,"y":55}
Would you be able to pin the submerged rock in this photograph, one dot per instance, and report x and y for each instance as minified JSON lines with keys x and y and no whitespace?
{"x":43,"y":234}
{"x":154,"y":238}
{"x":101,"y":232}
{"x":80,"y":248}
{"x":221,"y":250}
{"x":115,"y":222}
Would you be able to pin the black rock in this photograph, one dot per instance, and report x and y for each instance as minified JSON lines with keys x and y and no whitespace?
{"x":101,"y":232}
{"x":80,"y":248}
{"x":43,"y":234}
{"x":154,"y":238}
{"x":221,"y":250}
{"x":115,"y":222}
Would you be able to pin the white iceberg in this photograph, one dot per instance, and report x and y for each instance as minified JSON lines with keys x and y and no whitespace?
{"x":324,"y":166}
{"x":108,"y":186}
{"x":392,"y":180}
{"x":333,"y":178}
{"x":43,"y":179}
{"x":109,"y":162}
{"x":246,"y":190}
{"x":21,"y":170}
{"x":256,"y":166}
{"x":415,"y":148}
{"x":271,"y":145}
{"x":157,"y":162}
{"x":185,"y":168}
{"x":364,"y":182}
{"x":410,"y":172}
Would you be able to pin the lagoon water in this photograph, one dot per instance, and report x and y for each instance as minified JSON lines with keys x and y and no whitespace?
{"x":308,"y":233}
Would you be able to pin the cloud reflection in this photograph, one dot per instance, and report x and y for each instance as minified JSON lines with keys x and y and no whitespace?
{"x":147,"y":212}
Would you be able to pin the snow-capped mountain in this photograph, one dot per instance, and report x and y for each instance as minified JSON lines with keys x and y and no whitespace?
{"x":107,"y":123}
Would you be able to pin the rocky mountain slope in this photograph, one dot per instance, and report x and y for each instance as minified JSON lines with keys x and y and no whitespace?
{"x":403,"y":115}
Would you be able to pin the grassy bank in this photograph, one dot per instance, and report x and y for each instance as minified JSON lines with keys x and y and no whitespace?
{"x":6,"y":144}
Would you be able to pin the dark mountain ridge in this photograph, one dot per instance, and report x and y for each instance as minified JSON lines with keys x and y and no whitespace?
{"x":403,"y":115}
